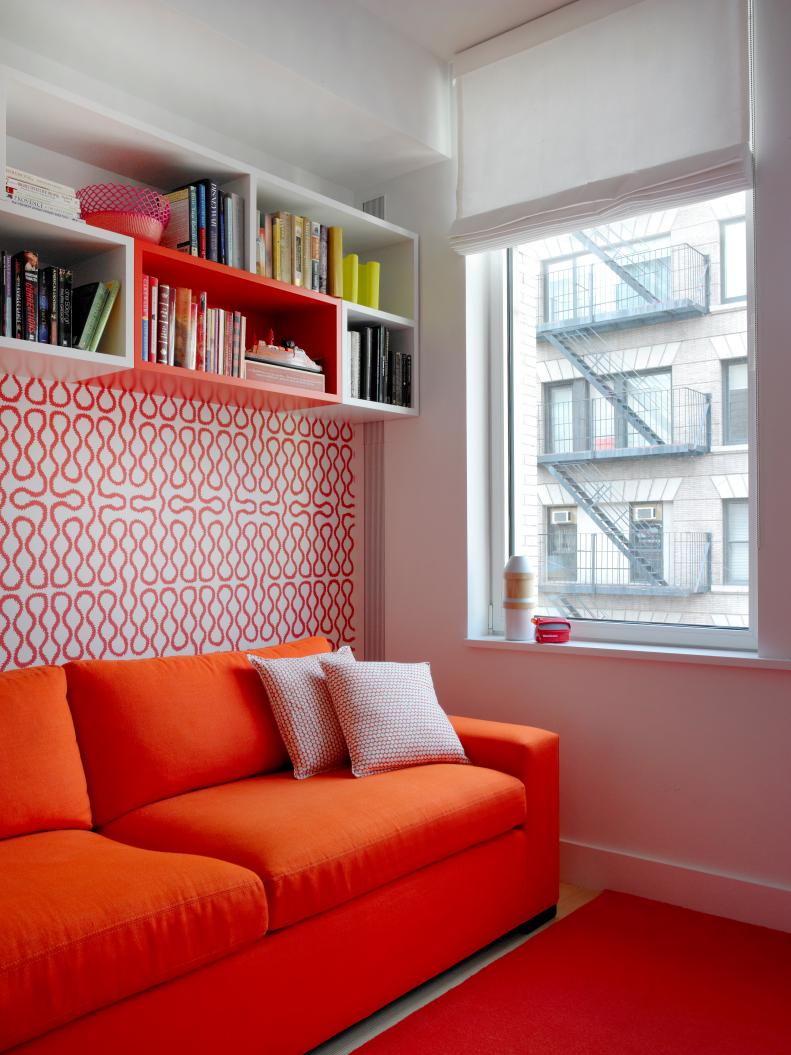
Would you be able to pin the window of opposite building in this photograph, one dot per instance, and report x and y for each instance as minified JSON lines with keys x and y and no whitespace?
{"x":737,"y":548}
{"x":735,"y":388}
{"x":733,"y":260}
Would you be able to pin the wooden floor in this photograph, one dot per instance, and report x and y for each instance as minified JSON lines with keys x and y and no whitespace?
{"x":571,"y":898}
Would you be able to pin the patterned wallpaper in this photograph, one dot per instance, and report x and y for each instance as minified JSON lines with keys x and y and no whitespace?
{"x":133,"y":525}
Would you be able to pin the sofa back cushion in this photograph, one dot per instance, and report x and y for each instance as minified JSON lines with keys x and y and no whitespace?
{"x":42,"y":782}
{"x":152,"y":728}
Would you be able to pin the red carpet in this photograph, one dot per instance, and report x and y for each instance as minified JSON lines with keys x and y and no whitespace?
{"x":620,"y":976}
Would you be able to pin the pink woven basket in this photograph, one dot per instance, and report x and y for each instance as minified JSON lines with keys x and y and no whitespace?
{"x":135,"y":211}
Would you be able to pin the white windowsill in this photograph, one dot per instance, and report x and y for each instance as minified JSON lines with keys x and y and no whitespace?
{"x":656,"y":653}
{"x":732,"y":588}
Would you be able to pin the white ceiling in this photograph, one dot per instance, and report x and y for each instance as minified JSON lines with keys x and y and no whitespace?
{"x":448,"y":26}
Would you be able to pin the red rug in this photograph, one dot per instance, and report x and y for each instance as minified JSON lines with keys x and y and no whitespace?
{"x":620,"y":976}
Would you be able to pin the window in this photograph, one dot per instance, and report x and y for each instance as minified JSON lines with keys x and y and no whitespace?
{"x":734,"y":402}
{"x":736,"y":549}
{"x":614,"y":486}
{"x":733,"y":260}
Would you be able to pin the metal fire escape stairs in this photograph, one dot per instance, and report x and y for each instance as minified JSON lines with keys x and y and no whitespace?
{"x":585,"y":349}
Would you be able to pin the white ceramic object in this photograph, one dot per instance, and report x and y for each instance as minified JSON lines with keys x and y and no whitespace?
{"x":519,"y":600}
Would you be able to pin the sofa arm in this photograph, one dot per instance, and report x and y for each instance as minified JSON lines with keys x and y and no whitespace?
{"x":531,"y":755}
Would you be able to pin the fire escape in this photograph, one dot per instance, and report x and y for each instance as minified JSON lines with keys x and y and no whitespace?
{"x":623,"y":287}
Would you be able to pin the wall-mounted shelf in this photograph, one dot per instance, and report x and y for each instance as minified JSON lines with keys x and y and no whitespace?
{"x":61,"y":136}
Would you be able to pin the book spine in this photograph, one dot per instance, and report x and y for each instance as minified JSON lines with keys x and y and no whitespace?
{"x":238,"y":219}
{"x":53,"y":277}
{"x":201,"y":190}
{"x":192,"y":349}
{"x":296,"y":251}
{"x":67,"y":212}
{"x":19,"y":175}
{"x":43,"y":308}
{"x":366,"y":364}
{"x":335,"y":261}
{"x":276,"y":259}
{"x":144,"y":320}
{"x":25,"y":187}
{"x":222,"y":255}
{"x":227,"y":356}
{"x":18,"y":279}
{"x":236,"y":352}
{"x":307,"y":280}
{"x":65,"y":297}
{"x":260,"y":245}
{"x":229,"y":231}
{"x":92,"y":319}
{"x":181,"y":338}
{"x":406,"y":391}
{"x":8,"y":295}
{"x":286,"y":238}
{"x":110,"y":298}
{"x":243,"y":347}
{"x":323,"y":251}
{"x":193,"y":199}
{"x":200,"y":349}
{"x":397,"y":379}
{"x":31,"y":298}
{"x":315,"y":256}
{"x":153,"y":328}
{"x":270,"y":273}
{"x":171,"y":325}
{"x":164,"y":324}
{"x":219,"y":361}
{"x":354,"y":364}
{"x":212,"y":220}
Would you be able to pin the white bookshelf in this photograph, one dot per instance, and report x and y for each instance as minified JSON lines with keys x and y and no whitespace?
{"x":61,"y":136}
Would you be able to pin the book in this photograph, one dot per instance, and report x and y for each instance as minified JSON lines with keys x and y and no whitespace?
{"x":181,"y":337}
{"x":112,"y":289}
{"x":353,"y":337}
{"x":43,"y":307}
{"x":406,"y":384}
{"x":65,"y":307}
{"x":171,"y":326}
{"x":19,"y":175}
{"x":177,"y":233}
{"x":153,"y":336}
{"x":284,"y":375}
{"x":200,"y":347}
{"x":222,"y":241}
{"x":297,"y":230}
{"x":323,"y":250}
{"x":145,"y":319}
{"x":277,"y":262}
{"x":366,"y":361}
{"x":163,"y":336}
{"x":230,"y":234}
{"x":351,"y":269}
{"x":87,"y":305}
{"x":306,"y":258}
{"x":315,"y":255}
{"x":212,"y":192}
{"x":192,"y":345}
{"x":8,"y":295}
{"x":26,"y":295}
{"x":269,"y":270}
{"x":286,"y":228}
{"x":335,"y":261}
{"x":200,"y":189}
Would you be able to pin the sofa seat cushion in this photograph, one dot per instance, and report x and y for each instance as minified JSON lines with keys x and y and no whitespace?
{"x":320,"y":842}
{"x":86,"y":921}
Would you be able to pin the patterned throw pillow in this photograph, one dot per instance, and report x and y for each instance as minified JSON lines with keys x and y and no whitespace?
{"x":390,"y":716}
{"x":301,"y":704}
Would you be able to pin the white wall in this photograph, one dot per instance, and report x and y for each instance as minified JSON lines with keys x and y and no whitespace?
{"x":674,"y":777}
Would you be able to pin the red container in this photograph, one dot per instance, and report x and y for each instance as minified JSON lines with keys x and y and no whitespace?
{"x":135,"y":211}
{"x":551,"y":629}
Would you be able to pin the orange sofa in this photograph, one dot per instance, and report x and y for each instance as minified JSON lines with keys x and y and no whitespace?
{"x":166,"y":885}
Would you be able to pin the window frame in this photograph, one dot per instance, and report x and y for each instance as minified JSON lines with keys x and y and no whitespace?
{"x":501,"y":542}
{"x":730,"y":222}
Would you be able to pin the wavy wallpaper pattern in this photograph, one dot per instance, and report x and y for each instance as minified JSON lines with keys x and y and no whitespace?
{"x":133,"y":525}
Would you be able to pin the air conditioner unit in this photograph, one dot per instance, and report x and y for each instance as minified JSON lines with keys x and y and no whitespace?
{"x":646,"y":513}
{"x":562,"y":516}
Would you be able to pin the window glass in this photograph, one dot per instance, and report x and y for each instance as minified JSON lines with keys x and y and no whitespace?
{"x":733,"y":263}
{"x":735,"y":408}
{"x":737,"y":553}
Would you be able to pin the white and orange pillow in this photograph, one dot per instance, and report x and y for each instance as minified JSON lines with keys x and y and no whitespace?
{"x":390,"y":716}
{"x":303,"y":710}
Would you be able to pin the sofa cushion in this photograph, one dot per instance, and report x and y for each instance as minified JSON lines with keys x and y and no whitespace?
{"x":85,"y":921}
{"x":317,"y":843}
{"x":42,"y":782}
{"x":150,"y":728}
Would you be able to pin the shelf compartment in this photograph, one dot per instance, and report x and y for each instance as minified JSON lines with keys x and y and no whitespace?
{"x":311,"y":319}
{"x":92,"y":255}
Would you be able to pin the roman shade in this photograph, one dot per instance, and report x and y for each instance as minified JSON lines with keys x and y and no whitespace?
{"x":598,"y":111}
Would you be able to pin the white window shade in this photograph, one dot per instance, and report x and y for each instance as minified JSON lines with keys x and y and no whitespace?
{"x":598,"y":111}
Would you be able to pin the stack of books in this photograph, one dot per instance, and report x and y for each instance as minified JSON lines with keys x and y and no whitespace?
{"x":39,"y":304}
{"x":35,"y":192}
{"x":300,"y":251}
{"x":207,"y":223}
{"x":180,"y":329}
{"x":377,"y":371}
{"x":272,"y":364}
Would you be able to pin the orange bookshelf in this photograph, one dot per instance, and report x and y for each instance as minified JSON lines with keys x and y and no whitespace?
{"x":311,"y":319}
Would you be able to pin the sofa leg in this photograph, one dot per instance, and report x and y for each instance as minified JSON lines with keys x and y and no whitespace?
{"x":537,"y":921}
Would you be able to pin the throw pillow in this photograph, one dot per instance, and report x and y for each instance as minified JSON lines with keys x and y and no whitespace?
{"x":390,"y":716}
{"x":301,"y":704}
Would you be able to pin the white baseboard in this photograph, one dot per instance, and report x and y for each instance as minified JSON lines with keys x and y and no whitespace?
{"x":749,"y":900}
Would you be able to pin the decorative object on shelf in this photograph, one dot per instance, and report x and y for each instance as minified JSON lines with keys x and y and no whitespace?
{"x":138,"y":212}
{"x":551,"y":630}
{"x":368,"y":284}
{"x":519,"y":599}
{"x":351,"y":277}
{"x":283,"y":364}
{"x":35,"y":192}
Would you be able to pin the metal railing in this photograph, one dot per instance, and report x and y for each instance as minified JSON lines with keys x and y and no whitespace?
{"x":678,"y":416}
{"x":675,"y":278}
{"x":590,"y":563}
